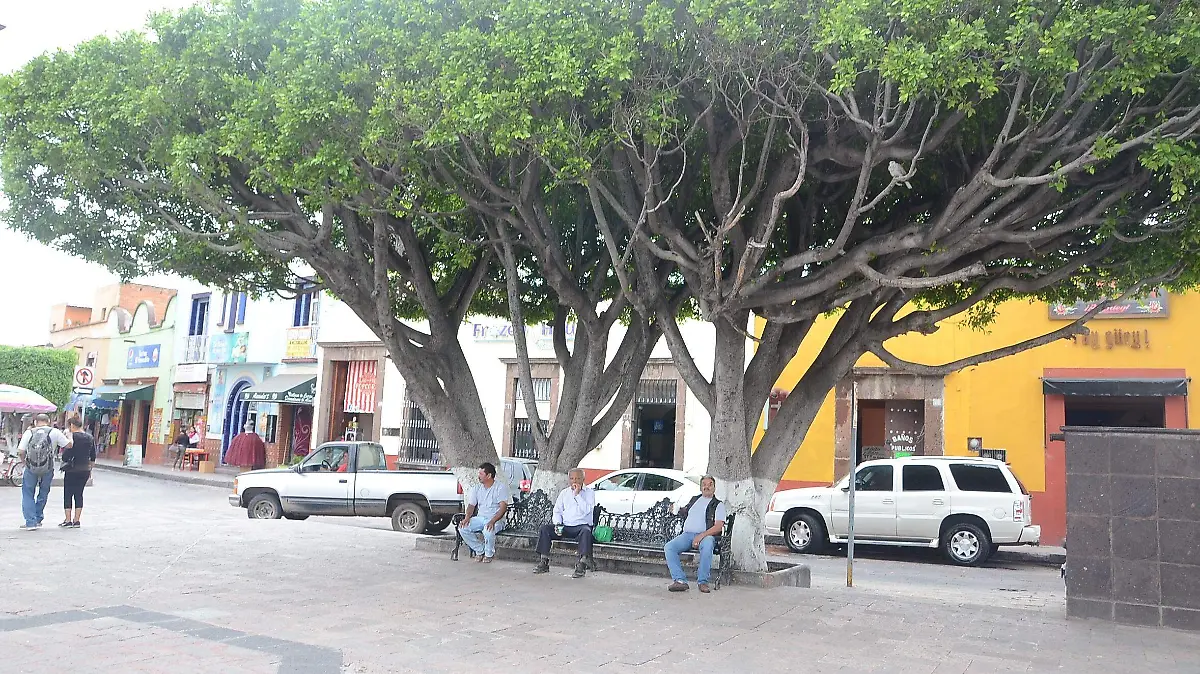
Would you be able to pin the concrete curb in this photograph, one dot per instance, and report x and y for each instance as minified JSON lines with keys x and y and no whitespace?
{"x":615,"y":560}
{"x":168,"y":477}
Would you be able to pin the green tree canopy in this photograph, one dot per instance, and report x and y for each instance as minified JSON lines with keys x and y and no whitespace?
{"x":47,"y":372}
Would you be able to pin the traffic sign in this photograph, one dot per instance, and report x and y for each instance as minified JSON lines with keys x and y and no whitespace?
{"x":84,"y":376}
{"x":82,"y":391}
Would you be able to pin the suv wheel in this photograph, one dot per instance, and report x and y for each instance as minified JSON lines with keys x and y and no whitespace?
{"x":804,"y":534}
{"x":966,"y":544}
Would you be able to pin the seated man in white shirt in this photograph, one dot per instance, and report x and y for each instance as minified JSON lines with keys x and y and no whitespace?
{"x":573,"y":513}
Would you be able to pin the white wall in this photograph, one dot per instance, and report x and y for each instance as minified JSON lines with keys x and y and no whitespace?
{"x":485,"y":344}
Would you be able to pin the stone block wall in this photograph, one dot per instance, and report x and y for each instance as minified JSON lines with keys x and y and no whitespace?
{"x":1133,"y":526}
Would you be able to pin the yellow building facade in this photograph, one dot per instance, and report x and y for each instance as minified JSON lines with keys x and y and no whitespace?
{"x":1131,"y":369}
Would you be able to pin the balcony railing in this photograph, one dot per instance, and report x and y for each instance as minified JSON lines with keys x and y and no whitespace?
{"x":196,"y":350}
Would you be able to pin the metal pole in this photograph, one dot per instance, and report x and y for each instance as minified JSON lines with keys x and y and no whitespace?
{"x":853,"y":467}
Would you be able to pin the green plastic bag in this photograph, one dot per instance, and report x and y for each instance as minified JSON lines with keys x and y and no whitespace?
{"x":602,"y":534}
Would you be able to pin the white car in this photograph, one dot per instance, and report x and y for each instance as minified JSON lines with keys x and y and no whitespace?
{"x":967,"y":506}
{"x":635,"y":490}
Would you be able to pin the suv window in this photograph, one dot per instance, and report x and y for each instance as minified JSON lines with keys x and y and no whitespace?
{"x":923,"y":478}
{"x":874,"y":478}
{"x":619,"y":482}
{"x":652,"y":482}
{"x":370,"y":457}
{"x":979,"y":478}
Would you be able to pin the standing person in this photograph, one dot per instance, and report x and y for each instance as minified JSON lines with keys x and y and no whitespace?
{"x":486,"y":507}
{"x":78,"y":460}
{"x":574,"y":511}
{"x":704,"y":518}
{"x":38,"y":447}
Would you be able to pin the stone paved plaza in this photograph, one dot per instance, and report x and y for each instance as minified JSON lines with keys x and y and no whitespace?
{"x":169,"y":578}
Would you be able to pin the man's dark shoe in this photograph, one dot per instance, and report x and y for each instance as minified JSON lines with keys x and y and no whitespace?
{"x":543,"y":566}
{"x":677,"y":587}
{"x":580,"y":569}
{"x":704,"y":588}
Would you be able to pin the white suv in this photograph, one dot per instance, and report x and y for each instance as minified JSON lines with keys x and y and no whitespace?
{"x":967,"y":506}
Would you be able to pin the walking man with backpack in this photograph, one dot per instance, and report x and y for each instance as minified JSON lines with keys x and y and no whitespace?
{"x":38,"y":448}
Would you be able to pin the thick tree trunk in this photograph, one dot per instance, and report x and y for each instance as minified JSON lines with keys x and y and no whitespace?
{"x":729,"y":449}
{"x":549,"y":481}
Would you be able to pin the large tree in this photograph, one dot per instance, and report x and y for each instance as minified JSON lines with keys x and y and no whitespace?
{"x":237,"y":139}
{"x":889,"y":165}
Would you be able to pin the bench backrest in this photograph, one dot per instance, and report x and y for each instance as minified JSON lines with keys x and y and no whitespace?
{"x":653,"y":527}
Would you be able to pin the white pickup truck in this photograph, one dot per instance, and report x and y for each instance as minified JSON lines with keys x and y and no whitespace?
{"x":351,"y":479}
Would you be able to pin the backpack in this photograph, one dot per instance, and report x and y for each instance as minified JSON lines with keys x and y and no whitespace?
{"x":39,"y":454}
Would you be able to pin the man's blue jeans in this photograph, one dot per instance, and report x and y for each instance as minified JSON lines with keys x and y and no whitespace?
{"x":681,"y":544}
{"x":35,"y":510}
{"x":475,"y":534}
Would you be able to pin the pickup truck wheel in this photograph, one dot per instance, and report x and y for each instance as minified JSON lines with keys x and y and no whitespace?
{"x":264,"y":507}
{"x":966,"y":544}
{"x":438,"y":524}
{"x":409,"y":518}
{"x":804,"y":534}
{"x":291,"y":516}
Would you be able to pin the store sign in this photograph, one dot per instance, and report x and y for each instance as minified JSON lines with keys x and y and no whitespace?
{"x":143,"y":357}
{"x":228,"y":347}
{"x":304,"y":394}
{"x":301,"y":343}
{"x":191,"y":373}
{"x":1153,"y":305}
{"x":1111,"y":339}
{"x":503,"y":332}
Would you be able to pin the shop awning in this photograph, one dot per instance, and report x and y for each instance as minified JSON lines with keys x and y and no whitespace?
{"x":1107,"y":388}
{"x":90,"y":400}
{"x":290,"y":389}
{"x":126,"y":392}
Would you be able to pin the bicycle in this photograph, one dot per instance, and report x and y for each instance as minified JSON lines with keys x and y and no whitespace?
{"x":12,"y":469}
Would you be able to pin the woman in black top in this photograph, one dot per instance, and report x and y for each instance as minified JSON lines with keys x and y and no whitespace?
{"x":77,"y":468}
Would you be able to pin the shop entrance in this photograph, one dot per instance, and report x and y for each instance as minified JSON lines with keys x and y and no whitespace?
{"x":654,"y":441}
{"x":890,"y":429}
{"x":1124,"y":412}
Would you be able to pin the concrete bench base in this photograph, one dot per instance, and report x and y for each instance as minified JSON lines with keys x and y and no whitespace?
{"x":619,"y":559}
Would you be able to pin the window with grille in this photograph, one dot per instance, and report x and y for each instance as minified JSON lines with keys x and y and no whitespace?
{"x":541,"y":390}
{"x":418,"y":444}
{"x":523,"y":446}
{"x":656,"y":392}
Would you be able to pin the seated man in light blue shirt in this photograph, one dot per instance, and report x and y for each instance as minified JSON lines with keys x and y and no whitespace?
{"x":573,"y":514}
{"x":486,"y":507}
{"x":704,"y":518}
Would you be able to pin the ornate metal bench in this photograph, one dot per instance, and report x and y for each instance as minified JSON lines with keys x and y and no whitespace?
{"x":648,"y":530}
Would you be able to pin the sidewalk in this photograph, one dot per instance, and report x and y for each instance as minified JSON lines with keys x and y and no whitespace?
{"x":168,"y":473}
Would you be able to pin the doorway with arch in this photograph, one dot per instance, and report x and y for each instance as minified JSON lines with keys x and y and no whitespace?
{"x":237,"y":412}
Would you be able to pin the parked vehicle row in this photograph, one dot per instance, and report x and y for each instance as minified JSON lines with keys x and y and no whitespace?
{"x":966,"y":506}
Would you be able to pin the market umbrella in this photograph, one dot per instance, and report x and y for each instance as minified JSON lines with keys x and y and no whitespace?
{"x":17,"y":399}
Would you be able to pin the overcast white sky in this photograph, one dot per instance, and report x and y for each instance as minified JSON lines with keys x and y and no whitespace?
{"x":32,"y":276}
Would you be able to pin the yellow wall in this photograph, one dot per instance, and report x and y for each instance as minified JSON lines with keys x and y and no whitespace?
{"x":1002,"y":401}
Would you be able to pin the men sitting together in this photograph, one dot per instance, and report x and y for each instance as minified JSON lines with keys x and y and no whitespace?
{"x":574,"y":519}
